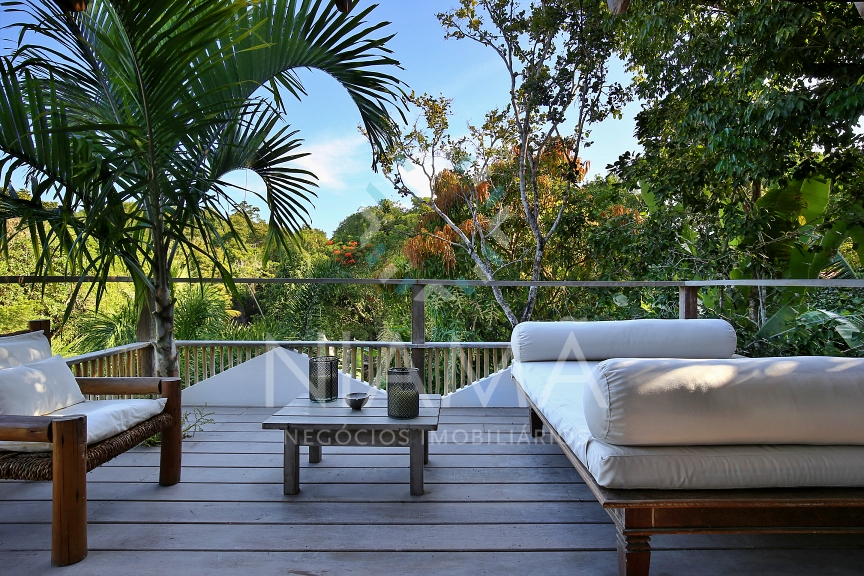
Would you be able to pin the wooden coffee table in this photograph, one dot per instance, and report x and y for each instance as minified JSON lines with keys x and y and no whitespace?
{"x":316,"y":425}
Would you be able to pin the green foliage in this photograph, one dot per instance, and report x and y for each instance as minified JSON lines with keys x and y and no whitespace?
{"x":127,"y":131}
{"x":103,"y":330}
{"x":752,"y":169}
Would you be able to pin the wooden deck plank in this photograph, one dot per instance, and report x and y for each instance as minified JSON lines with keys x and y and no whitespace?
{"x":458,"y":447}
{"x":319,"y":513}
{"x":702,"y":562}
{"x":348,"y":492}
{"x":499,"y":433}
{"x":194,"y":563}
{"x":355,"y":460}
{"x":311,"y":538}
{"x":339,"y":475}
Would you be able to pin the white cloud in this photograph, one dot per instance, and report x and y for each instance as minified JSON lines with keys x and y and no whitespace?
{"x":336,"y":161}
{"x":416,"y":180}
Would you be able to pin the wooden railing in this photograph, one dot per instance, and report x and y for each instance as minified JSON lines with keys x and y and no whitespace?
{"x":130,"y":360}
{"x":448,"y":366}
{"x":445,"y":366}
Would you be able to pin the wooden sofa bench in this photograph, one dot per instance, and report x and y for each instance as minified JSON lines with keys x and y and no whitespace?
{"x":640,"y":514}
{"x":542,"y":361}
{"x":71,"y":458}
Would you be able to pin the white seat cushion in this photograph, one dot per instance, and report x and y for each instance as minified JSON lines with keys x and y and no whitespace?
{"x":549,"y":341}
{"x":556,"y":389}
{"x":23,"y":349}
{"x":678,"y":467}
{"x":39,"y":388}
{"x":105,"y":418}
{"x":674,"y":402}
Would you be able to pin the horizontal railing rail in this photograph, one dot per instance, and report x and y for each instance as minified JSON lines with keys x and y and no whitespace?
{"x":802,"y":283}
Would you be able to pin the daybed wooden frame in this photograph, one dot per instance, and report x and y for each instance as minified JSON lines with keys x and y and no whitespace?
{"x":70,"y":459}
{"x":639,"y":514}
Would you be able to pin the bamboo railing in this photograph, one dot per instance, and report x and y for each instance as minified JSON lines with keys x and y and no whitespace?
{"x":447,"y":366}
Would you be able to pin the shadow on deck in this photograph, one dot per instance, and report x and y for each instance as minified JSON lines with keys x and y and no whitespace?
{"x":496,"y":502}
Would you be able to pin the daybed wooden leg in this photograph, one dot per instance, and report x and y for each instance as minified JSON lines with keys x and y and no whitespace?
{"x":69,"y":515}
{"x":634,"y":555}
{"x":172,"y":437}
{"x":536,"y":424}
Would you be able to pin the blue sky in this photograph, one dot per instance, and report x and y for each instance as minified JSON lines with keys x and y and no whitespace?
{"x":471,"y":75}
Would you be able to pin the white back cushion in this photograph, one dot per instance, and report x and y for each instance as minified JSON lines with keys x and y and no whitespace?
{"x":551,"y":341}
{"x":39,"y":388}
{"x":665,"y":402}
{"x":23,"y":349}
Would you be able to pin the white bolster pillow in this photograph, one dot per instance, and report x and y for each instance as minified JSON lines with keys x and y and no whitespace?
{"x":551,"y":341}
{"x":795,"y":400}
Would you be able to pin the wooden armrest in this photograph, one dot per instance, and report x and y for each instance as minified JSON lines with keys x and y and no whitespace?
{"x":115,"y":385}
{"x":30,"y":428}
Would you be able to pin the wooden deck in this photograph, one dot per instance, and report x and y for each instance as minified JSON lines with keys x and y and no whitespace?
{"x":496,"y":503}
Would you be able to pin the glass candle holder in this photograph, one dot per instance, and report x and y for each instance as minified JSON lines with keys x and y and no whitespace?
{"x":323,"y":379}
{"x":403,"y":393}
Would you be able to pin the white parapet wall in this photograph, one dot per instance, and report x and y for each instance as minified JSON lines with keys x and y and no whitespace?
{"x":495,"y":391}
{"x":279,"y":376}
{"x":271,"y":380}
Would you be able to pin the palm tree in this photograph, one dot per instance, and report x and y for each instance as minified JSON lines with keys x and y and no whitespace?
{"x":127,"y":117}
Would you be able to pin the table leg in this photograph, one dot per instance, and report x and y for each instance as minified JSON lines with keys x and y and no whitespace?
{"x":425,"y":447}
{"x":291,"y":465}
{"x":415,"y":441}
{"x":314,"y":454}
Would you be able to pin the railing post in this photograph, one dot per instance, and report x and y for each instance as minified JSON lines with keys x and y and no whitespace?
{"x":688,"y":302}
{"x":42,"y":324}
{"x":418,"y":328}
{"x":144,"y":332}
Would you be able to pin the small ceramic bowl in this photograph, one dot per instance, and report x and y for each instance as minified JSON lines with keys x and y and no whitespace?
{"x":356,"y":400}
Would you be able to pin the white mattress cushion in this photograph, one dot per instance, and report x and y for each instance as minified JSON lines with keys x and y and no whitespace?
{"x":724,"y":467}
{"x":548,"y":341}
{"x":679,"y":467}
{"x":23,"y":349}
{"x":556,"y":389}
{"x":105,"y":418}
{"x":39,"y":388}
{"x":674,"y":402}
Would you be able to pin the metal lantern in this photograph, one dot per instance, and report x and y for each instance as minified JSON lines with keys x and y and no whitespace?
{"x":403,"y":393}
{"x":323,"y":379}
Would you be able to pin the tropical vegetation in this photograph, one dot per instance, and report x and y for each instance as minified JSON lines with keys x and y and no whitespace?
{"x":128,"y":116}
{"x":751,"y":167}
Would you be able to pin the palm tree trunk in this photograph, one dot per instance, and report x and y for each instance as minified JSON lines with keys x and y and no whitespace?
{"x":166,"y":351}
{"x":163,"y":313}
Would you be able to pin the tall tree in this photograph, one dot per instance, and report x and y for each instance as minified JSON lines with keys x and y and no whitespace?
{"x":127,"y":117}
{"x":750,"y":108}
{"x":740,"y":95}
{"x":556,"y":55}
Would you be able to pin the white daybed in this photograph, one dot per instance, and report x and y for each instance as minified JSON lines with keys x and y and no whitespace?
{"x":675,"y":435}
